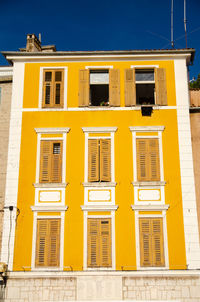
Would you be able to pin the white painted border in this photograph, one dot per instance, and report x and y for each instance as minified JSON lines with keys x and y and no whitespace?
{"x":186,"y":166}
{"x":52,"y":130}
{"x":48,"y":208}
{"x":99,"y":208}
{"x":137,"y":238}
{"x":147,"y":128}
{"x":112,"y":217}
{"x":64,"y":84}
{"x":99,"y":67}
{"x":144,"y":66}
{"x":11,"y":191}
{"x":34,"y":239}
{"x":99,"y":129}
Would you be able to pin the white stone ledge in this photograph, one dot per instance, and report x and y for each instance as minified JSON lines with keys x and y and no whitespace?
{"x":133,"y":274}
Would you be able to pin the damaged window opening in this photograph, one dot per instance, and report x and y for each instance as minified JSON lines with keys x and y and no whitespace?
{"x":145,"y":87}
{"x":99,"y":88}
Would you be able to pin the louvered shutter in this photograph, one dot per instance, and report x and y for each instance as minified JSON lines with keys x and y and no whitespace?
{"x":161,"y":88}
{"x":47,"y":88}
{"x":93,"y":257}
{"x":56,"y":162}
{"x":105,"y":160}
{"x":45,"y":161}
{"x":114,"y":87}
{"x":157,"y":242}
{"x":145,"y":242}
{"x":58,"y":88}
{"x":93,"y":160}
{"x":154,"y":159}
{"x":54,"y":242}
{"x":130,"y":88}
{"x":41,"y":243}
{"x":142,"y":159}
{"x":84,"y":83}
{"x":105,"y":243}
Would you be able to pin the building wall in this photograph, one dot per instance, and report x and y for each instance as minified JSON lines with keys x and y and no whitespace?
{"x":5,"y":105}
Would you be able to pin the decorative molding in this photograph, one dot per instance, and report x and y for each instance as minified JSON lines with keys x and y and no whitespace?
{"x":99,"y":184}
{"x":98,"y":208}
{"x":99,"y":129}
{"x":48,"y":208}
{"x":148,"y":183}
{"x":99,"y":67}
{"x":144,"y":66}
{"x":150,"y":207}
{"x":52,"y":130}
{"x":147,"y":128}
{"x":50,"y":185}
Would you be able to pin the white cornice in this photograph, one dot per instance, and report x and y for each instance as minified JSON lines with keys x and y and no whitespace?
{"x":52,"y":130}
{"x":148,"y":183}
{"x":48,"y":208}
{"x":99,"y":129}
{"x":99,"y":184}
{"x":148,"y":207}
{"x":147,"y":128}
{"x":50,"y":185}
{"x":99,"y":208}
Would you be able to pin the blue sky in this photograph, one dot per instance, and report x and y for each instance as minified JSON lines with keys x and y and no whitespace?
{"x":100,"y":25}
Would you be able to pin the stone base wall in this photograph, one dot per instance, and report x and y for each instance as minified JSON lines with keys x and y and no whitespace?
{"x":98,"y":287}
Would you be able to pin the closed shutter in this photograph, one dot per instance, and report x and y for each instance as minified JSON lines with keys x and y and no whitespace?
{"x":130,"y":88}
{"x":105,"y":243}
{"x":53,"y":88}
{"x":47,"y":88}
{"x":45,"y":161}
{"x":48,"y":242}
{"x":148,"y":159}
{"x":58,"y":88}
{"x":145,"y":242}
{"x":142,"y":159}
{"x":105,"y":160}
{"x":151,"y":242}
{"x":56,"y":162}
{"x":93,"y":160}
{"x":114,"y":87}
{"x":154,"y":160}
{"x":99,"y":243}
{"x":157,"y":242}
{"x":161,"y":88}
{"x":84,"y":88}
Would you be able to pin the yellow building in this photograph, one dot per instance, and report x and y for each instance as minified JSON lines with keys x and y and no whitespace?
{"x":100,"y":176}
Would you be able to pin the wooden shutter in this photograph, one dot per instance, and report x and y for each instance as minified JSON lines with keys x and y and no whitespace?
{"x":53,"y":88}
{"x":93,"y":243}
{"x":151,"y":242}
{"x":84,"y":82}
{"x":145,"y":242}
{"x":47,"y":88}
{"x":142,"y":159}
{"x":105,"y":243}
{"x":45,"y":161}
{"x":93,"y":160}
{"x":105,"y":160}
{"x":130,"y":87}
{"x":148,"y":159}
{"x":161,"y":88}
{"x":56,"y":162}
{"x":58,"y":88}
{"x":114,"y":87}
{"x":154,"y":159}
{"x":157,"y":242}
{"x":48,"y":242}
{"x":99,"y":243}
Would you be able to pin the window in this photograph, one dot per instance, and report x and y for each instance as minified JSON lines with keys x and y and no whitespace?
{"x":50,"y":161}
{"x":145,"y":86}
{"x":99,"y":242}
{"x":53,"y":88}
{"x":99,"y":160}
{"x":48,"y":243}
{"x":151,"y":242}
{"x":148,"y":159}
{"x":99,"y":87}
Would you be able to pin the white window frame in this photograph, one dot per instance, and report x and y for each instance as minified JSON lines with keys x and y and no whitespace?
{"x":99,"y":130}
{"x":149,"y":129}
{"x":65,"y":69}
{"x":34,"y":238}
{"x":137,"y":233}
{"x":41,"y":131}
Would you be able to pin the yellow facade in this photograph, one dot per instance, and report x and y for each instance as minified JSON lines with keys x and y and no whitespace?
{"x":125,"y":243}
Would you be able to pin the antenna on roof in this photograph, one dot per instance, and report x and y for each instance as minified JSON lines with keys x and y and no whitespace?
{"x":185,"y":22}
{"x":172,"y":24}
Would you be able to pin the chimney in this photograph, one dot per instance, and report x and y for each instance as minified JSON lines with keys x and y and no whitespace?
{"x":33,"y":44}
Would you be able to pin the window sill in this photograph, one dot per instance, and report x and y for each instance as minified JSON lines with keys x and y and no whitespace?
{"x":99,"y":184}
{"x":148,"y":183}
{"x":50,"y":185}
